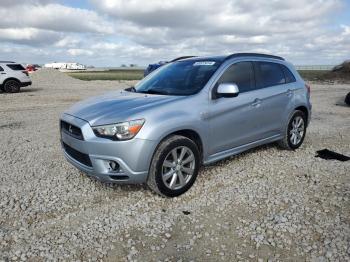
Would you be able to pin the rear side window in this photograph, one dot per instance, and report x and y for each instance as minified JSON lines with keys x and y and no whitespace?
{"x":269,"y":74}
{"x":16,"y":67}
{"x":241,"y":74}
{"x":1,"y":69}
{"x":288,"y":74}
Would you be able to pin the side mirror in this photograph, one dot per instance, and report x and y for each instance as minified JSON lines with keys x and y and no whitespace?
{"x":227,"y":90}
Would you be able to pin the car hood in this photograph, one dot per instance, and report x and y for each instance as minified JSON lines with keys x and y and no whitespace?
{"x":116,"y":106}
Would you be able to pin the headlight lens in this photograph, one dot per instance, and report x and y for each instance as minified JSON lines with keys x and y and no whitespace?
{"x":119,"y":131}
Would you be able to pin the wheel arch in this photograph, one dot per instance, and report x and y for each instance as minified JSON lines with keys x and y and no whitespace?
{"x":194,"y":136}
{"x":190,"y":134}
{"x":304,"y":109}
{"x":11,"y":78}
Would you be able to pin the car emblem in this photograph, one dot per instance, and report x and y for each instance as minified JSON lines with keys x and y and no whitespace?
{"x":70,"y":130}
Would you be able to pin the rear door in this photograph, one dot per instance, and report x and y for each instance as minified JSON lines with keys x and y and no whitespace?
{"x":19,"y":72}
{"x":274,"y":95}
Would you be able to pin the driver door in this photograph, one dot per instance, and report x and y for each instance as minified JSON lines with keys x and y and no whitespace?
{"x":232,"y":121}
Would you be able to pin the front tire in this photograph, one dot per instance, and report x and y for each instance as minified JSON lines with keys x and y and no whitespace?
{"x":295,"y":132}
{"x":174,"y":167}
{"x":12,"y":86}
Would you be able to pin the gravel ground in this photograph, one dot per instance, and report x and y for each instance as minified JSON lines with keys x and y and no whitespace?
{"x":263,"y":205}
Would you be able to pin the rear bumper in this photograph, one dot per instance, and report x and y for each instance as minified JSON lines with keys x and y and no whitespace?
{"x":310,"y":114}
{"x":93,"y":155}
{"x":23,"y":84}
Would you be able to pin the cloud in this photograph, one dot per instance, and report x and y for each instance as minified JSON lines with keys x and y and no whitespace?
{"x":112,"y":32}
{"x":28,"y":35}
{"x":7,"y":3}
{"x":346,"y":29}
{"x":45,"y":23}
{"x":220,"y":17}
{"x":223,"y":26}
{"x":54,"y":17}
{"x":68,"y":41}
{"x":79,"y":52}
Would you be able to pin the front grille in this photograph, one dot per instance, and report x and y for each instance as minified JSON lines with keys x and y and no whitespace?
{"x":78,"y":156}
{"x":72,"y":130}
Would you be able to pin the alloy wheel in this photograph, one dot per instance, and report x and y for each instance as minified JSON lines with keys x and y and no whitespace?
{"x":178,"y":167}
{"x":297,"y":130}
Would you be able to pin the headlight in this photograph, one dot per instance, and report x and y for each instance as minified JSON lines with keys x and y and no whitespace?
{"x":119,"y":131}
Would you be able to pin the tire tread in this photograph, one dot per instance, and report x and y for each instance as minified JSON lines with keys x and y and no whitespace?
{"x":284,"y":143}
{"x":151,"y":180}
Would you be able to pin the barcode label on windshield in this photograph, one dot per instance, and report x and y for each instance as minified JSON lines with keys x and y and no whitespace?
{"x":204,"y":63}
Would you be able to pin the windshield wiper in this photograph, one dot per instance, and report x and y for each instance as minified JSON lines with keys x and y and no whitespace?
{"x":130,"y":89}
{"x":153,"y":92}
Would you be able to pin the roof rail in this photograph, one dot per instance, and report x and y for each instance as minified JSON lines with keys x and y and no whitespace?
{"x":254,"y":54}
{"x":6,"y":62}
{"x":182,"y":57}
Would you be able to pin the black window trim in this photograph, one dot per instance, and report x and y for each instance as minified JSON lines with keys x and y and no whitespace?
{"x":1,"y":69}
{"x":215,"y":87}
{"x":285,"y":77}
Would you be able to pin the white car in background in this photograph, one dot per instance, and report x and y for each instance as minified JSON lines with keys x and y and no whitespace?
{"x":13,"y":76}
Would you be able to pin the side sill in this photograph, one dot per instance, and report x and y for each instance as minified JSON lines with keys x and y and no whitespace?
{"x":236,"y":150}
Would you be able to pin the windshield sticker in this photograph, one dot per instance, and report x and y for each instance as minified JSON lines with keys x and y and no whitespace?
{"x":204,"y":63}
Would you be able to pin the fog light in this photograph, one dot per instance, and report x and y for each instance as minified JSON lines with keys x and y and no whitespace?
{"x":114,"y":166}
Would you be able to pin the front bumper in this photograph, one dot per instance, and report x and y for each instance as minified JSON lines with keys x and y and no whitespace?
{"x":132,"y":156}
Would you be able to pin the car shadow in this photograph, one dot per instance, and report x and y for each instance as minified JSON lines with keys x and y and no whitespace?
{"x":240,"y":155}
{"x":25,"y":90}
{"x":128,"y":188}
{"x":30,"y":90}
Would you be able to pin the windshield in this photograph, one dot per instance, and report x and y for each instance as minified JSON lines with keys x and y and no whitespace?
{"x":179,"y":78}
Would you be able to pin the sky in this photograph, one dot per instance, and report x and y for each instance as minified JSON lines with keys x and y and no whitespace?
{"x":114,"y":32}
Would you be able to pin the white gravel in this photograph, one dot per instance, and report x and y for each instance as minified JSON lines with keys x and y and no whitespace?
{"x":264,"y":205}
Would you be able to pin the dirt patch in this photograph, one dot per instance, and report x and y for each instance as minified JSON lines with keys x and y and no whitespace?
{"x":13,"y":125}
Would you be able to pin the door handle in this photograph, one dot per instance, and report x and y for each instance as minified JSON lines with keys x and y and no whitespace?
{"x":3,"y":73}
{"x":256,"y":102}
{"x":289,"y":92}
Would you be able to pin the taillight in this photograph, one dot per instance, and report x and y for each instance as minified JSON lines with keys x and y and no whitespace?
{"x":308,"y":88}
{"x":25,"y":72}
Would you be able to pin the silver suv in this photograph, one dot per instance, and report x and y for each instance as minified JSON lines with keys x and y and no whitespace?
{"x":187,"y":113}
{"x":13,"y":76}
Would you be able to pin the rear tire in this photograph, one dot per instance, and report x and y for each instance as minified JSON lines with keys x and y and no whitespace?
{"x":347,"y":99}
{"x":295,"y":131}
{"x":12,"y":86}
{"x":174,"y":167}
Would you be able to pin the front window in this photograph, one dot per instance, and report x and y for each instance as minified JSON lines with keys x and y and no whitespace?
{"x":241,"y":74}
{"x":179,"y":78}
